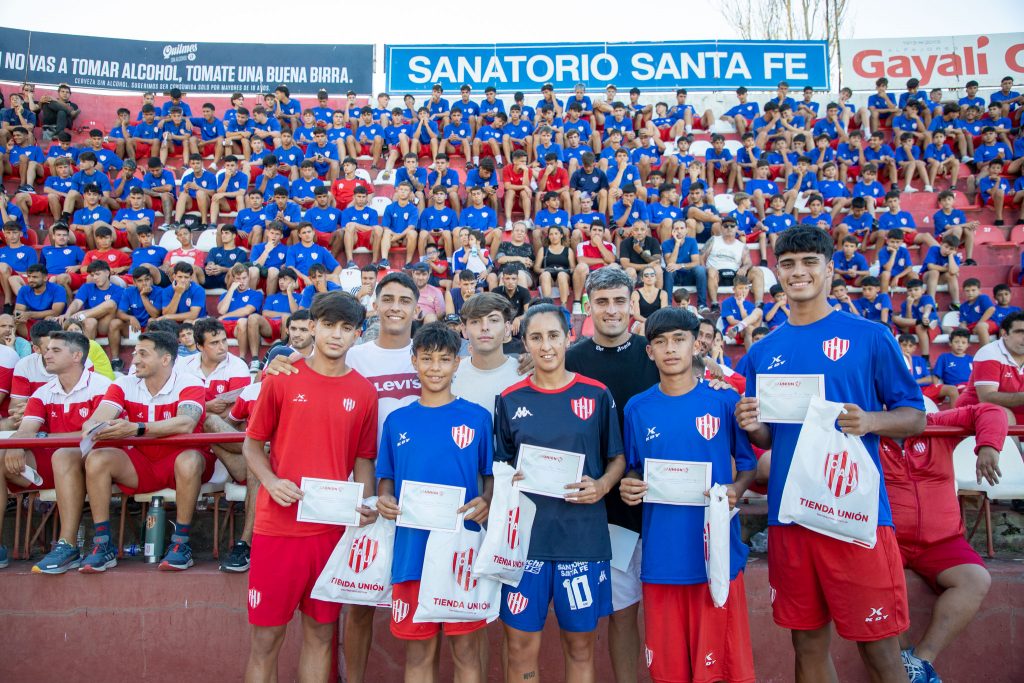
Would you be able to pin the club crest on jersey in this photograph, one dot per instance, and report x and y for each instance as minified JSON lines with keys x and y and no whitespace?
{"x":516,"y":602}
{"x":84,"y":412}
{"x":707,"y":426}
{"x":841,"y":474}
{"x":349,"y":404}
{"x":462,"y":569}
{"x":582,"y":407}
{"x":512,"y":529}
{"x":835,"y":348}
{"x":399,"y":610}
{"x":463,"y":435}
{"x":362,"y":554}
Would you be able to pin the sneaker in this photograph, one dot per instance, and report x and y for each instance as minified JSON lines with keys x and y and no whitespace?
{"x":3,"y":557}
{"x":954,"y":307}
{"x":63,"y":557}
{"x":179,"y":556}
{"x":26,"y":188}
{"x":383,"y":264}
{"x":999,"y":222}
{"x":970,"y":262}
{"x":909,"y":189}
{"x":102,"y":557}
{"x":966,"y":159}
{"x":704,"y":310}
{"x":386,"y":175}
{"x":351,"y":264}
{"x":61,"y":224}
{"x":918,"y":670}
{"x":716,"y":308}
{"x":255,"y":365}
{"x":238,"y":558}
{"x":117,"y":365}
{"x":929,"y":188}
{"x":577,"y":308}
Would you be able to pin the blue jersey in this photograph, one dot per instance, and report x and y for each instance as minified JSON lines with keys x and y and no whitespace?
{"x":52,"y":294}
{"x":697,"y":426}
{"x":292,"y":156}
{"x":579,"y":418}
{"x":306,"y":299}
{"x":81,"y":179}
{"x":687,"y":249}
{"x":137,"y":215}
{"x":323,"y":220}
{"x":149,"y":181}
{"x":840,"y":262}
{"x":58,"y":259}
{"x":419,"y":175}
{"x":919,"y":370}
{"x":546,"y":218}
{"x":58,"y":184}
{"x":830,"y":189}
{"x":953,"y":369}
{"x":658,"y":212}
{"x":489,"y":109}
{"x":872,"y":308}
{"x":272,"y":183}
{"x":438,"y":219}
{"x":935,"y":256}
{"x":636,"y":212}
{"x":277,"y":256}
{"x":860,"y":224}
{"x":829,"y":128}
{"x":292,"y":212}
{"x":365,"y":135}
{"x":18,"y":258}
{"x":226,"y":258}
{"x":901,"y":259}
{"x":247,"y":219}
{"x":131,"y":303}
{"x":152,"y":255}
{"x":165,"y":108}
{"x":364,"y":216}
{"x":592,"y":181}
{"x":449,"y":179}
{"x":92,"y":296}
{"x":303,"y":189}
{"x":459,"y":437}
{"x":861,"y":364}
{"x":736,"y":310}
{"x":302,"y":258}
{"x":195,"y":295}
{"x":780,"y":316}
{"x":518,"y":131}
{"x":398,"y":218}
{"x":986,"y":153}
{"x":749,"y":111}
{"x":209,"y":130}
{"x":971,"y":311}
{"x":474,"y":179}
{"x":777,"y":222}
{"x":468,"y":107}
{"x":806,"y":184}
{"x":875,"y":190}
{"x":250,"y":297}
{"x":56,"y":152}
{"x":748,"y":156}
{"x":481,"y":219}
{"x":87,"y":216}
{"x":1002,"y":312}
{"x":746,"y":221}
{"x":916,"y":310}
{"x":206,"y":181}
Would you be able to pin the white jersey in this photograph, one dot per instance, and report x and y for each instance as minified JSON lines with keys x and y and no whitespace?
{"x":483,"y":386}
{"x":724,"y":256}
{"x":390,"y":372}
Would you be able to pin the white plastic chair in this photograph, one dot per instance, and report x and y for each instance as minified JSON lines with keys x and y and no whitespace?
{"x":1010,"y":486}
{"x":169,"y":241}
{"x":349,"y":279}
{"x":363,"y":173}
{"x":724,"y":203}
{"x":700,"y":148}
{"x":378,"y":204}
{"x":733,"y":146}
{"x":929,"y":406}
{"x":207,"y":240}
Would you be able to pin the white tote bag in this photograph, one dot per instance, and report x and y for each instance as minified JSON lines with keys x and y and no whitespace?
{"x":832,"y":487}
{"x":449,"y":589}
{"x":509,"y":523}
{"x":359,"y":570}
{"x":716,"y":544}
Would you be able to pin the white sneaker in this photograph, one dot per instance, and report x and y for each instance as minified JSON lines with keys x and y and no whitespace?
{"x":966,"y":159}
{"x":577,"y":309}
{"x":908,"y":189}
{"x":929,"y":188}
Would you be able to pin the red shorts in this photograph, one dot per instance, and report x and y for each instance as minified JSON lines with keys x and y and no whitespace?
{"x":365,"y":150}
{"x":324,"y":239}
{"x":229,"y":327}
{"x":364,"y":239}
{"x":404,"y":598}
{"x":931,"y":560}
{"x":815,"y":579}
{"x":689,"y":640}
{"x":207,"y":148}
{"x":753,"y":238}
{"x":909,"y":237}
{"x":254,"y":173}
{"x":155,"y":473}
{"x":932,"y":391}
{"x":275,"y":327}
{"x":993,"y":329}
{"x":40,"y":203}
{"x":425,"y":152}
{"x":143,"y":150}
{"x":77,"y":280}
{"x":44,"y":466}
{"x":121,"y":240}
{"x":283,"y":572}
{"x":80,"y":238}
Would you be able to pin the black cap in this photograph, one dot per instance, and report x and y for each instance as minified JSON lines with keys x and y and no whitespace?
{"x":419,"y":265}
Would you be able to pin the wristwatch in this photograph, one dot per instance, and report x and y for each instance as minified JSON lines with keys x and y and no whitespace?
{"x":42,"y":435}
{"x":140,"y":429}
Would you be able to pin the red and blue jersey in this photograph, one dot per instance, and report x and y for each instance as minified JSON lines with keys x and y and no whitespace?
{"x":698,"y":426}
{"x":579,"y":418}
{"x":458,"y":437}
{"x":861,"y":363}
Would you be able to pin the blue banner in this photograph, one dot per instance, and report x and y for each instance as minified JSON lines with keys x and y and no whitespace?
{"x":695,"y":65}
{"x":136,"y":65}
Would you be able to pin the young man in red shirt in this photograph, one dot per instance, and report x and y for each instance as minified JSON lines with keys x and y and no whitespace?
{"x":339,"y":442}
{"x":516,"y":178}
{"x":344,"y":187}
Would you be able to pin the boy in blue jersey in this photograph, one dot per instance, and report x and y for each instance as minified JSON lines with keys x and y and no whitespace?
{"x":741,"y":115}
{"x":740,"y":316}
{"x":683,"y":410}
{"x":36,"y":299}
{"x":92,"y":215}
{"x":160,"y":187}
{"x":869,"y":188}
{"x":458,"y":435}
{"x":139,"y":303}
{"x":976,"y":312}
{"x":238,"y":133}
{"x":894,"y":260}
{"x":908,"y":157}
{"x":127,"y":221}
{"x":176,"y":134}
{"x":267,"y":259}
{"x":954,"y":367}
{"x":149,"y":256}
{"x":323,"y":155}
{"x":570,"y":549}
{"x":265,"y":128}
{"x":369,"y":137}
{"x":940,"y":160}
{"x":800,"y":183}
{"x":95,"y":304}
{"x":883,"y":156}
{"x":229,"y":195}
{"x":863,"y":368}
{"x":991,"y":188}
{"x":196,"y":188}
{"x":446,"y":177}
{"x":874,"y":305}
{"x":184,"y":300}
{"x":458,"y":136}
{"x":848,"y":263}
{"x":918,"y":314}
{"x":776,"y":311}
{"x":361,"y":227}
{"x":942,"y":265}
{"x":399,"y":225}
{"x":306,"y":253}
{"x":470,"y":109}
{"x":302,"y":188}
{"x":251,"y":220}
{"x":1003,"y":295}
{"x":281,"y":209}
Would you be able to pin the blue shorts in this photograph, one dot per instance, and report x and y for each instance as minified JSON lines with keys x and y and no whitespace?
{"x":582,"y":592}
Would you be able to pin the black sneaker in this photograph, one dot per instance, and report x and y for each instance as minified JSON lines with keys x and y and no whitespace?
{"x":970,"y":262}
{"x":117,"y":365}
{"x":238,"y":559}
{"x":998,"y":223}
{"x":954,"y":307}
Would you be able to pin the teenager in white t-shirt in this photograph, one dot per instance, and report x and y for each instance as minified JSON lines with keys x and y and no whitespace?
{"x":486,"y":322}
{"x":725,"y":257}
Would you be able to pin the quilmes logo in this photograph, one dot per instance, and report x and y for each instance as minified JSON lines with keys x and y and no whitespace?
{"x":181,"y":52}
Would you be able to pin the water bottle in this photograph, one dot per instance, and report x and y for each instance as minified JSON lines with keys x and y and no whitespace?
{"x":156,"y":525}
{"x":132,"y":550}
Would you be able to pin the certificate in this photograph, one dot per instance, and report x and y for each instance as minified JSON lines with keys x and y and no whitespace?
{"x":547,"y":471}
{"x":677,"y":482}
{"x":327,"y":501}
{"x":431,"y":507}
{"x":784,"y":398}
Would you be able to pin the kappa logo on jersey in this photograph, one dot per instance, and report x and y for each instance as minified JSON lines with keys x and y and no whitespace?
{"x":707,"y":426}
{"x":516,"y":602}
{"x":349,"y":404}
{"x":463,"y":435}
{"x":254,"y":598}
{"x":835,"y":348}
{"x":841,"y":474}
{"x":512,"y":529}
{"x":362,"y":554}
{"x":462,"y":569}
{"x":522,"y":411}
{"x":582,"y":407}
{"x":399,"y":610}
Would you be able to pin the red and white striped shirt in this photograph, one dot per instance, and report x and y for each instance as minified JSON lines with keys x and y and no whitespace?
{"x":61,"y":411}
{"x":30,"y":374}
{"x":137,"y":404}
{"x":245,"y":402}
{"x":8,"y":359}
{"x":994,"y":367}
{"x":231,"y":374}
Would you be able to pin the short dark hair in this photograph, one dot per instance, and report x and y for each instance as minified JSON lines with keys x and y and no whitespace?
{"x":436,"y":336}
{"x":483,"y":304}
{"x":1008,"y":321}
{"x":337,"y":307}
{"x":804,"y":238}
{"x":75,"y":340}
{"x":43,"y":329}
{"x":163,"y":342}
{"x":97,"y":266}
{"x":958,"y":332}
{"x":540,"y":309}
{"x":870,"y":281}
{"x":37,"y":268}
{"x":205,"y":327}
{"x":179,"y":267}
{"x":670,"y":319}
{"x":400,"y":278}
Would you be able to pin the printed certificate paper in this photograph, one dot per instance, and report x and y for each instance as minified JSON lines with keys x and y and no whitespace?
{"x":326,"y":501}
{"x":547,"y":471}
{"x":676,"y":482}
{"x":431,"y":507}
{"x":784,"y":398}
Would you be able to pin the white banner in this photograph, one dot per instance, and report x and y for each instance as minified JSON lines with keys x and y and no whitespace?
{"x":938,"y":62}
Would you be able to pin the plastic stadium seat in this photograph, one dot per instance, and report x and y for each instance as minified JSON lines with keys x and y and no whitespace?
{"x":929,"y":406}
{"x":207,"y":240}
{"x":699,"y":148}
{"x":990,"y":234}
{"x":378,"y":204}
{"x":724,"y":203}
{"x":363,"y":173}
{"x":733,"y":146}
{"x":169,"y":241}
{"x":1010,"y":486}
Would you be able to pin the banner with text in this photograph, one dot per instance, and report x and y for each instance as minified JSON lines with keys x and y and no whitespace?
{"x":695,"y":65}
{"x":115,"y":64}
{"x":938,"y":61}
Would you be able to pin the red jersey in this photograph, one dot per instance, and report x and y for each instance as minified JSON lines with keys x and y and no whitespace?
{"x":131,"y":395}
{"x":317,"y":426}
{"x":994,"y":367}
{"x":919,"y":477}
{"x":61,"y":411}
{"x":231,"y":374}
{"x":588,"y":250}
{"x":511,"y":176}
{"x":115,"y":258}
{"x":246,"y":401}
{"x":556,"y":181}
{"x":194,"y":257}
{"x":343,"y":189}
